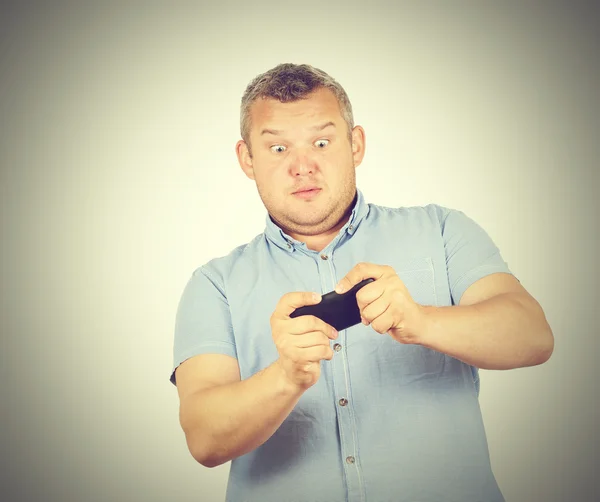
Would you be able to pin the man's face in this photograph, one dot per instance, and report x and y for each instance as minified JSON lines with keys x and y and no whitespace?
{"x":299,"y":145}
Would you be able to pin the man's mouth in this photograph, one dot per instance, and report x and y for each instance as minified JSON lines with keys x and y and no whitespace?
{"x":307,"y":193}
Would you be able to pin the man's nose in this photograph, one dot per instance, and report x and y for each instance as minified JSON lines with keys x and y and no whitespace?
{"x":302,"y":163}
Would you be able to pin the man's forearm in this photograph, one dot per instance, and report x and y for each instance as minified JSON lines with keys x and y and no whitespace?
{"x":503,"y":332}
{"x":225,"y":422}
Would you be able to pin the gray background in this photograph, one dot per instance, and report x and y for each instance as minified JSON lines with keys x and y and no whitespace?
{"x":118,"y":178}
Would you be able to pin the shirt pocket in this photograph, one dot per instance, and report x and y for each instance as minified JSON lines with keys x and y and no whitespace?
{"x":418,"y":275}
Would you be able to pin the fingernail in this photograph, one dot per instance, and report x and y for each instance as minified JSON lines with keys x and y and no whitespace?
{"x":334,"y":332}
{"x":316,"y":297}
{"x":339,"y":289}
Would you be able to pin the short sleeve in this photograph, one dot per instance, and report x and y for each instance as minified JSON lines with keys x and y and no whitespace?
{"x":470,"y":252}
{"x":203,"y":321}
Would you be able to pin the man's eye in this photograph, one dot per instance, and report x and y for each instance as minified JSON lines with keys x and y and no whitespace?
{"x":278,"y":148}
{"x":322,"y":143}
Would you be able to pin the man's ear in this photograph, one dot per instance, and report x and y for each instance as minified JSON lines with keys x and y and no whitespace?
{"x":244,"y":158}
{"x":358,"y":145}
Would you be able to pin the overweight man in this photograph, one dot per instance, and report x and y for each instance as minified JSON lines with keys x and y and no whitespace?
{"x":385,"y":410}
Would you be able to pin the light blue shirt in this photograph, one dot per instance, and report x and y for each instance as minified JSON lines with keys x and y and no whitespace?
{"x":411,"y":429}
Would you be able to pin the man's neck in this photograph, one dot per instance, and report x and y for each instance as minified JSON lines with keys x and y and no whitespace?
{"x":321,"y":241}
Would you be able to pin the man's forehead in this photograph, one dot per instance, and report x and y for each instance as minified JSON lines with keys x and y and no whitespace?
{"x":314,"y":128}
{"x":314,"y":110}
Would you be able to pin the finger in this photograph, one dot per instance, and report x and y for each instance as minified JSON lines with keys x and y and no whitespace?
{"x":312,"y":339}
{"x":314,"y":354}
{"x":370,"y":293}
{"x":308,"y":323}
{"x":359,"y":272}
{"x":383,"y":323}
{"x":374,"y":310}
{"x":291,"y":301}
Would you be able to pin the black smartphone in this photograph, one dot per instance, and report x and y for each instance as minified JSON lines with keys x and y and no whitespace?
{"x":339,"y":311}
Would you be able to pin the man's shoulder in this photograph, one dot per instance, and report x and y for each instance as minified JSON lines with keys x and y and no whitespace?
{"x":431,"y":213}
{"x":219,"y":267}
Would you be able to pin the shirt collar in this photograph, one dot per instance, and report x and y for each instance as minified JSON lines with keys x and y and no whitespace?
{"x":278,"y":237}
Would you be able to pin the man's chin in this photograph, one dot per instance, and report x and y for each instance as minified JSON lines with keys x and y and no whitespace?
{"x":312,"y":226}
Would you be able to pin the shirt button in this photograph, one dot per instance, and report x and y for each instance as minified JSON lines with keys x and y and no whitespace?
{"x":350,"y":227}
{"x":337,"y":347}
{"x":343,"y":401}
{"x":350,"y":459}
{"x":324,"y":257}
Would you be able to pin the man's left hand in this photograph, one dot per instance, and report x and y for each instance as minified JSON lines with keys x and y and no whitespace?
{"x":385,"y":303}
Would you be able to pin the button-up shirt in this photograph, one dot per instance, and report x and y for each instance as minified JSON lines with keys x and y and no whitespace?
{"x":385,"y":421}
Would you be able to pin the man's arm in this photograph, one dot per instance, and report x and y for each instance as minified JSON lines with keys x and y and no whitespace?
{"x":497,"y":325}
{"x":223,"y":417}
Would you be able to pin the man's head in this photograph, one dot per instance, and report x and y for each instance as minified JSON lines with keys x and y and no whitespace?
{"x":290,"y":82}
{"x":297,"y":131}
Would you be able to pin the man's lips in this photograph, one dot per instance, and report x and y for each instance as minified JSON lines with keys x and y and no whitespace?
{"x":307,"y":193}
{"x":307,"y":189}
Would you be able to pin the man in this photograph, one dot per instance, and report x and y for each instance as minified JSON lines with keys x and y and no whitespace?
{"x":386,"y":410}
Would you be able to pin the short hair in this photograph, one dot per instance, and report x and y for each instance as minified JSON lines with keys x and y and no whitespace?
{"x":289,"y":82}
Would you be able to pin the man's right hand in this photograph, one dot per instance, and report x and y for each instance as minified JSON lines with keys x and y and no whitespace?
{"x":302,"y":342}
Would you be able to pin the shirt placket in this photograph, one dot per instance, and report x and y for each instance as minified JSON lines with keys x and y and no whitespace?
{"x":346,"y":419}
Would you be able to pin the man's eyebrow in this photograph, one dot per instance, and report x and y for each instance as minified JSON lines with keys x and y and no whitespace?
{"x":270,"y":131}
{"x":321,"y":127}
{"x":275,"y":132}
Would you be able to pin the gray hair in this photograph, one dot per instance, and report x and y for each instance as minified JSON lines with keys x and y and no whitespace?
{"x":291,"y":82}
